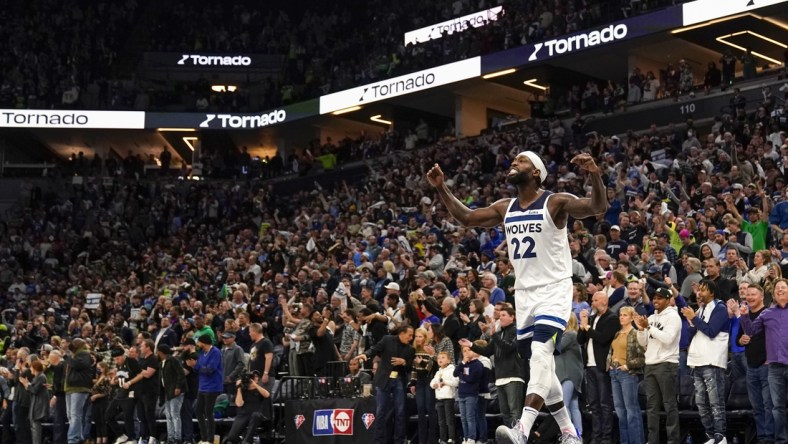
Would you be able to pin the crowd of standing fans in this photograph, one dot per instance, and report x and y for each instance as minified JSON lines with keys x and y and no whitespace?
{"x":145,"y":299}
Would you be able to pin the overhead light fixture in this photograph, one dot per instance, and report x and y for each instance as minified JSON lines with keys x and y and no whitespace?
{"x":379,"y":120}
{"x":532,"y":83}
{"x":774,"y":22}
{"x":722,"y":40}
{"x":189,"y":141}
{"x":709,"y":23}
{"x":346,"y":110}
{"x":184,"y":130}
{"x":499,"y":73}
{"x":223,"y":88}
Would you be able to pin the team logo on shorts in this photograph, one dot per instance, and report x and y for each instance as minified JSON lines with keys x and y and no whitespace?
{"x":299,"y":420}
{"x":367,"y":419}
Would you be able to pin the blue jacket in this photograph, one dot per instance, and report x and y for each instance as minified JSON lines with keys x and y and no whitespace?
{"x":209,"y":367}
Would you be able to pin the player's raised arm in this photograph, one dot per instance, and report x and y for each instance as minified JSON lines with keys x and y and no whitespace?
{"x":487,"y":217}
{"x":586,"y":207}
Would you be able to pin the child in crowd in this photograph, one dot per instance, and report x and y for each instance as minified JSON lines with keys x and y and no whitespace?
{"x":470,"y":372}
{"x":484,"y":393}
{"x":445,"y":385}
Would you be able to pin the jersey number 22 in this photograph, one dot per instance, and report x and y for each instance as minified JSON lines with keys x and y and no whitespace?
{"x":527,"y":243}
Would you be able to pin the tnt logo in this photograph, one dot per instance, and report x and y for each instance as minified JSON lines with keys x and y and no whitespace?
{"x":333,"y":422}
{"x":299,"y":420}
{"x":367,"y":419}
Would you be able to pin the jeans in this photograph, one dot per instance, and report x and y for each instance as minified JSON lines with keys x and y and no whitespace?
{"x":425,"y":406}
{"x":778,"y":382}
{"x":172,"y":411}
{"x":481,"y":419}
{"x":572,"y":403}
{"x":710,"y":398}
{"x":446,"y":423}
{"x":245,"y":425}
{"x":187,"y":420}
{"x":599,"y":395}
{"x":75,"y":410}
{"x":59,"y":426}
{"x":392,"y":396}
{"x":468,"y":407}
{"x":761,"y":400}
{"x":625,"y":400}
{"x":510,"y":400}
{"x":205,"y":418}
{"x":684,"y":370}
{"x":660,"y":382}
{"x":737,"y":366}
{"x":148,"y":415}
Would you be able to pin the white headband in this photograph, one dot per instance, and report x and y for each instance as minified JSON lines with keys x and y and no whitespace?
{"x":538,"y":164}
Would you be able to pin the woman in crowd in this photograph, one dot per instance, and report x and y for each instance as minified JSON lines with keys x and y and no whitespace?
{"x":625,"y":362}
{"x":473,"y":320}
{"x":39,"y":399}
{"x":569,"y":369}
{"x":423,"y":371}
{"x":99,"y":397}
{"x":761,"y":261}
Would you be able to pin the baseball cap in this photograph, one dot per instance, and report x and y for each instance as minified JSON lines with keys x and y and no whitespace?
{"x":684,"y":234}
{"x":227,"y":335}
{"x":738,"y":186}
{"x":664,"y":235}
{"x":164,"y":348}
{"x":663,"y":293}
{"x":615,"y":227}
{"x":654,"y":269}
{"x":392,"y":286}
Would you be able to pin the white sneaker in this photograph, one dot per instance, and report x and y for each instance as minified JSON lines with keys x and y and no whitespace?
{"x":121,"y":439}
{"x":709,"y":441}
{"x":510,"y":435}
{"x":569,"y":438}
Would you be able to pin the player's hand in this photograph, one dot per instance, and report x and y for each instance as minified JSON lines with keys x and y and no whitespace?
{"x":586,"y":161}
{"x":435,"y":176}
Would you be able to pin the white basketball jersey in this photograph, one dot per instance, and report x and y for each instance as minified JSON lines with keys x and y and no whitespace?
{"x":538,"y":251}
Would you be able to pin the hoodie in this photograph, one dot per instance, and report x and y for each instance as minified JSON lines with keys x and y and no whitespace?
{"x":662,"y":336}
{"x":470,"y":374}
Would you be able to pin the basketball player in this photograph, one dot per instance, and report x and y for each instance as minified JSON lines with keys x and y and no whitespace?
{"x":535,"y":225}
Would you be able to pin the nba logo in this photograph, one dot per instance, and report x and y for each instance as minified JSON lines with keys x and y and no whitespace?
{"x":330,"y":422}
{"x":367,"y":419}
{"x":299,"y":420}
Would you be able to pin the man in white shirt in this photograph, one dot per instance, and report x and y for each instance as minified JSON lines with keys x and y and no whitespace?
{"x":708,"y":355}
{"x":660,"y":334}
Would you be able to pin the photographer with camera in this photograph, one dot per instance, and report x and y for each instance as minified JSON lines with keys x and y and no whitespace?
{"x":253,"y":402}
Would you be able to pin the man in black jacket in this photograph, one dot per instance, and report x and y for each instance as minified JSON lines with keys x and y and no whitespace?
{"x":509,"y":372}
{"x":595,"y":336}
{"x":79,"y":380}
{"x":396,"y":357}
{"x":452,"y":327}
{"x":173,"y":386}
{"x":56,"y":372}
